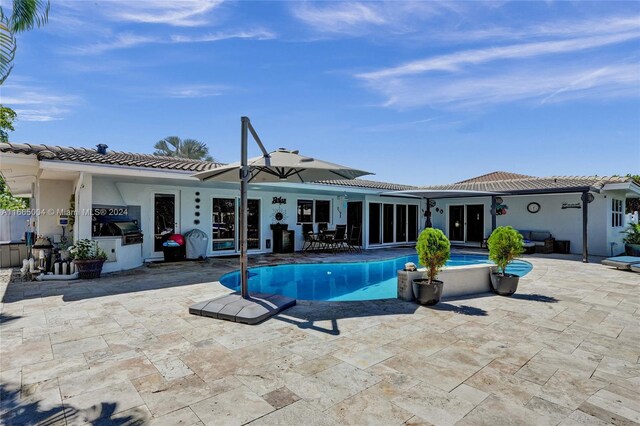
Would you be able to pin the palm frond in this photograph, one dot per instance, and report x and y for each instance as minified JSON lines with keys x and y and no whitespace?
{"x":194,"y":149}
{"x":173,"y":146}
{"x":169,"y":146}
{"x":7,"y":50}
{"x":28,"y":14}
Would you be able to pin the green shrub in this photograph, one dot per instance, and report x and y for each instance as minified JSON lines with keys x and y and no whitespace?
{"x":633,"y":234}
{"x":433,"y":249}
{"x":505,"y":244}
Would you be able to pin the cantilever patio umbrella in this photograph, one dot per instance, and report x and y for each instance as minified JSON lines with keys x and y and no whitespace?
{"x":277,"y":166}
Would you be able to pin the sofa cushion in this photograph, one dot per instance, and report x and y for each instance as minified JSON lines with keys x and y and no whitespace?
{"x":525,"y":234}
{"x":540,"y":235}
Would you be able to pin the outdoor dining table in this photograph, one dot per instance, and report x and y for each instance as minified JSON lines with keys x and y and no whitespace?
{"x":324,"y":237}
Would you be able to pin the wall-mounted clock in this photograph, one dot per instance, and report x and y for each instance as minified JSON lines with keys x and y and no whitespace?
{"x":533,"y":207}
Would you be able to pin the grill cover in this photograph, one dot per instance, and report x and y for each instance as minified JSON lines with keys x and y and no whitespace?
{"x":196,"y":243}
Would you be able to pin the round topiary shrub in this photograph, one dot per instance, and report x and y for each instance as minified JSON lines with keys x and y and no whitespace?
{"x":433,"y":249}
{"x":505,"y":244}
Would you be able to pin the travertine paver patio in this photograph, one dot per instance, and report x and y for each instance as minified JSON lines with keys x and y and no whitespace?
{"x":564,"y":350}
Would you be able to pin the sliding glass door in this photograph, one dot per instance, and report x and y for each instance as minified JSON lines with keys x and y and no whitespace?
{"x":401,"y":223}
{"x":375,"y":218}
{"x":392,"y":223}
{"x":412,"y":223}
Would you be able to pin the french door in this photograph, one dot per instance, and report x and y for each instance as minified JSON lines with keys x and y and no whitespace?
{"x":466,"y":223}
{"x":165,"y":218}
{"x":456,"y":223}
{"x":225,"y":223}
{"x":475,"y":223}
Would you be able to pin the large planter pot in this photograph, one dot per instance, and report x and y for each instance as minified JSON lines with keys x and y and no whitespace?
{"x":425,"y":293}
{"x":632,"y":249}
{"x":504,"y":285}
{"x":89,"y":269}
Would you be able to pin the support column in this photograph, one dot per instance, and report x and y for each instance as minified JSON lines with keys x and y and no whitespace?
{"x":493,"y":213}
{"x":585,"y":223}
{"x":428,"y":222}
{"x":244,"y":182}
{"x":84,"y":204}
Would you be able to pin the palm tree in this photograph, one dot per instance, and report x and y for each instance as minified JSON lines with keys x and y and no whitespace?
{"x":25,"y":15}
{"x":173,"y":146}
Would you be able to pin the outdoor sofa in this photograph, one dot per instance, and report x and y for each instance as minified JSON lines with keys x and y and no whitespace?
{"x":542,"y":240}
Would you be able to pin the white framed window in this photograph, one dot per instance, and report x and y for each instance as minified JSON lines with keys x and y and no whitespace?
{"x":617,"y":213}
{"x":314,"y":211}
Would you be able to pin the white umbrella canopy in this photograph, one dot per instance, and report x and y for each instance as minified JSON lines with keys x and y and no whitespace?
{"x":277,"y":166}
{"x":282,"y":166}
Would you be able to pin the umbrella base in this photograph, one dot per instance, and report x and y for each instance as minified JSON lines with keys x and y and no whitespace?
{"x":253,"y":310}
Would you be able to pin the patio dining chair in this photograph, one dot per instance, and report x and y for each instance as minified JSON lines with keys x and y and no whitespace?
{"x":339,"y":239}
{"x":311,"y":240}
{"x":353,"y":242}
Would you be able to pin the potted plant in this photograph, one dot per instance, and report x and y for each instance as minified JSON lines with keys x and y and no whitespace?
{"x":632,"y":240}
{"x":433,"y":249}
{"x":505,"y":244}
{"x":64,"y":247}
{"x":88,"y":258}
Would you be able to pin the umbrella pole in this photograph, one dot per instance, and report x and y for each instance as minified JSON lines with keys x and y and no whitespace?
{"x":244,"y":182}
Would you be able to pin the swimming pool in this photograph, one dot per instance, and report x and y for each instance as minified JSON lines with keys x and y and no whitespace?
{"x":343,"y":281}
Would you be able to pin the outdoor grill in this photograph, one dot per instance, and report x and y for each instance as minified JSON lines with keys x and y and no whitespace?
{"x":117,"y":226}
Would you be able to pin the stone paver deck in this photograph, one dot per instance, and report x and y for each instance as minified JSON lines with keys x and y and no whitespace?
{"x":124,"y":350}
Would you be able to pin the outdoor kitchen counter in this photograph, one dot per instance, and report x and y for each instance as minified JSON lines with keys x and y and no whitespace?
{"x":120,"y":257}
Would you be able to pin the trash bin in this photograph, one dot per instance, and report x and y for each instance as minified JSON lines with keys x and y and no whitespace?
{"x":173,"y":252}
{"x":196,"y":244}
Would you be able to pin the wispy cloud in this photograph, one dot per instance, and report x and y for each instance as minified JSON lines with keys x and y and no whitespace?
{"x":558,"y":29}
{"x":258,"y":34}
{"x":184,"y":13}
{"x":338,"y":17}
{"x":130,"y":40}
{"x":194,"y":91}
{"x":119,"y":41}
{"x":359,"y":18}
{"x":36,"y":104}
{"x":570,"y":63}
{"x":454,"y":61}
{"x":535,"y":85}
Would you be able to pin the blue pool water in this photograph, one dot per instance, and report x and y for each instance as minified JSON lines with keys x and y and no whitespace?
{"x":343,"y":281}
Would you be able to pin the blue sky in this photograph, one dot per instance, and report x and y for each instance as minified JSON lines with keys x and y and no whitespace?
{"x":419,"y":93}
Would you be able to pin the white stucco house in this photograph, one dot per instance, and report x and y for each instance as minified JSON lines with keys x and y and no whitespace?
{"x":160,"y":195}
